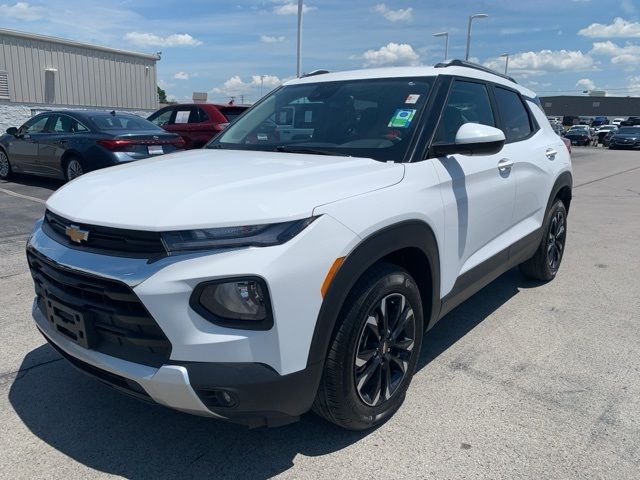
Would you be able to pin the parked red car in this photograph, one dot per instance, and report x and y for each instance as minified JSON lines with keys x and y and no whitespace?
{"x":196,"y":123}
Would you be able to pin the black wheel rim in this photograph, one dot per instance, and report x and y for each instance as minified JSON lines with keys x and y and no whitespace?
{"x":74,"y":169}
{"x":384,"y":349}
{"x":4,"y":165}
{"x":556,"y":239}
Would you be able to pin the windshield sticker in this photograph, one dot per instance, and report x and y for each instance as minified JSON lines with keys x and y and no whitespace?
{"x":402,"y":118}
{"x":412,"y":98}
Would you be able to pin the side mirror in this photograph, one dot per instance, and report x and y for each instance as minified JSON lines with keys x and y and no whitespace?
{"x":12,"y":131}
{"x":474,"y":139}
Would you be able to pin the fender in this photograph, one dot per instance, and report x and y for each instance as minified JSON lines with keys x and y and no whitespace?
{"x":565,"y":179}
{"x":409,"y":234}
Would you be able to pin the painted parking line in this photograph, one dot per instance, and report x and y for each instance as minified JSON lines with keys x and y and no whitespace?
{"x":20,"y":195}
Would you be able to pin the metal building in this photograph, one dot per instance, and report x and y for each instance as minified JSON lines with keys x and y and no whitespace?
{"x":38,"y":72}
{"x":591,"y":106}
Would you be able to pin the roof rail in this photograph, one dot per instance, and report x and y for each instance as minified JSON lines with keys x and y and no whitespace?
{"x":314,"y":73}
{"x":464,"y":63}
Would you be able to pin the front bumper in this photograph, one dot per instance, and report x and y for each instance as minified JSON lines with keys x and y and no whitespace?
{"x":266,"y":373}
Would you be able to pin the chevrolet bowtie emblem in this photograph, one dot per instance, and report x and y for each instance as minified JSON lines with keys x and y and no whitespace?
{"x":76,"y":234}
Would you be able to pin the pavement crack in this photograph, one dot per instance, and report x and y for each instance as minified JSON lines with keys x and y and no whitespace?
{"x":23,"y":371}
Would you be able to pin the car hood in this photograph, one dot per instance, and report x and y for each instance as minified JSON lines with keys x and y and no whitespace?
{"x":627,"y":136}
{"x":212,"y":188}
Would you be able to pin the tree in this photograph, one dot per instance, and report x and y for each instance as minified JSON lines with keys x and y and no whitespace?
{"x":162,"y":95}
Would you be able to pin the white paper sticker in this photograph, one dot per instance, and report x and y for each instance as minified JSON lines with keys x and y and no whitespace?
{"x":308,"y":114}
{"x":182,"y":116}
{"x":412,"y":98}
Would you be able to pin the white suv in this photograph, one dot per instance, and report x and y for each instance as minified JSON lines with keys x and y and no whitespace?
{"x":296,"y":262}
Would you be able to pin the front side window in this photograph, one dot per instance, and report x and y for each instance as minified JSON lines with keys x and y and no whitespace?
{"x":515,"y":118}
{"x":468,"y":102}
{"x":36,"y":125}
{"x":161,"y":118}
{"x":373,"y":118}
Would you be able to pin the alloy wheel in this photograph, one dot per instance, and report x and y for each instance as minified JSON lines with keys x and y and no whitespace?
{"x":384,"y":349}
{"x":555,"y":242}
{"x":74,"y":169}
{"x":4,"y":165}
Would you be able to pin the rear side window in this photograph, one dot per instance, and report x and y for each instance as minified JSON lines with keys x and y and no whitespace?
{"x":231,"y":113}
{"x":468,"y":102}
{"x":515,"y":117}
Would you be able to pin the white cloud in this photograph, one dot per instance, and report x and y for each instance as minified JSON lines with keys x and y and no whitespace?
{"x":290,"y":7}
{"x":21,"y":11}
{"x":272,"y":39}
{"x":236,"y":86}
{"x":628,"y":54}
{"x":181,"y":76}
{"x":153,"y":40}
{"x":619,"y":28}
{"x":634,"y":85}
{"x":400,"y":15}
{"x":392,"y":54}
{"x":544,"y":61}
{"x":585,"y":84}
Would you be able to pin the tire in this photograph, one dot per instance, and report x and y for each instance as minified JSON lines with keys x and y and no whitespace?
{"x":73,"y":168}
{"x":5,"y":166}
{"x":544,"y":265}
{"x":357,"y":354}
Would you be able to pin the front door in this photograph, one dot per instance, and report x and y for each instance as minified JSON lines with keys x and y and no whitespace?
{"x":478,"y":191}
{"x":23,"y":149}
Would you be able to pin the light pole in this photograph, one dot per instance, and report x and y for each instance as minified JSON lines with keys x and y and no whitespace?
{"x":471,"y":17}
{"x":299,"y":48}
{"x":506,"y":62}
{"x":446,"y":42}
{"x":261,"y":84}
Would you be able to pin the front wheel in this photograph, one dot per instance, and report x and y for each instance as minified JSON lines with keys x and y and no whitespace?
{"x":375,"y":350}
{"x":5,"y":166}
{"x":544,"y":265}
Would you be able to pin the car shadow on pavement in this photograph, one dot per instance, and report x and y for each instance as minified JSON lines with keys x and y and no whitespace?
{"x":109,"y":432}
{"x":35,"y":181}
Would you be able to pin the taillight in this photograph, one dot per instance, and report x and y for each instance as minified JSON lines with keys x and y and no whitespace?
{"x":178,"y":142}
{"x":117,"y":145}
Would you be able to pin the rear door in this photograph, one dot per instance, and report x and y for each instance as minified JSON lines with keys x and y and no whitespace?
{"x":23,"y":150}
{"x":55,"y":141}
{"x":533,"y":153}
{"x":478,"y":190}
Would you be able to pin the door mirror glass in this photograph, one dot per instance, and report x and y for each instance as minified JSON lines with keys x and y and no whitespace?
{"x":12,"y":131}
{"x":474,"y":139}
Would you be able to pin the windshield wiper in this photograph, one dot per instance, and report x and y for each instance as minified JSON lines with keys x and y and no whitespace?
{"x":309,"y":150}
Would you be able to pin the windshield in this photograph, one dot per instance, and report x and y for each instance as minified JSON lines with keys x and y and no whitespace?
{"x":629,"y":130}
{"x":372,"y":118}
{"x":108,"y":121}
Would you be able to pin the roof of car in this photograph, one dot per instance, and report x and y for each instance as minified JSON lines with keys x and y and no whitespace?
{"x":422,"y":71}
{"x":88,"y":113}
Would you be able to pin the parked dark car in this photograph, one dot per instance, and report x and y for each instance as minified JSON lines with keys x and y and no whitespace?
{"x":579,"y":135}
{"x":196,"y":123}
{"x":66,"y":144}
{"x":596,"y":122}
{"x":625,"y":137}
{"x":630,"y":122}
{"x":604,"y":130}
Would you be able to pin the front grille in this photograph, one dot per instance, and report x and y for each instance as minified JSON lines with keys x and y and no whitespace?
{"x":118,"y":382}
{"x":114,"y":241}
{"x":114,"y":320}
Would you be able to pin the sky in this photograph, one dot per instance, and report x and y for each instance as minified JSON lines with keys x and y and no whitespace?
{"x":238,"y":48}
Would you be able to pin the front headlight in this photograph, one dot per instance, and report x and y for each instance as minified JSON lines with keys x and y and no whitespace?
{"x":246,"y":236}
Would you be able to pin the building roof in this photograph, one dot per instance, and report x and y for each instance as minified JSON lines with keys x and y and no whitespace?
{"x":73,"y":43}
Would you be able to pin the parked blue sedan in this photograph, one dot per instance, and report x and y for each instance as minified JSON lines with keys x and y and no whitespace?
{"x":66,"y":144}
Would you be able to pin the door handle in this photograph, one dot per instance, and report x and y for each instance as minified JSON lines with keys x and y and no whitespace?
{"x":551,"y":153}
{"x":505,"y":165}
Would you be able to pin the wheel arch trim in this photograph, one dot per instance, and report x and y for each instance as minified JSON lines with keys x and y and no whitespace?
{"x":393,"y":238}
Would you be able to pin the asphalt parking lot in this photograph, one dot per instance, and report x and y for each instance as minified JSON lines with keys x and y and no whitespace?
{"x":521,"y":381}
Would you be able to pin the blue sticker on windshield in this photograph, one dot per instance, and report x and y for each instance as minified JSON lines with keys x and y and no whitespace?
{"x":402,"y":118}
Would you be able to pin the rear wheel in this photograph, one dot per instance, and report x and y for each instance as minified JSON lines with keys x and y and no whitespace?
{"x":544,"y":265}
{"x":5,"y":166}
{"x":375,"y":351}
{"x":72,"y":169}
